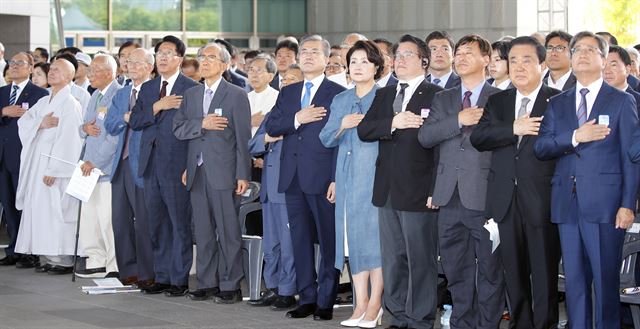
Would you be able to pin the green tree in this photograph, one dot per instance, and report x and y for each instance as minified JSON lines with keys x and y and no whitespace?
{"x":621,"y":17}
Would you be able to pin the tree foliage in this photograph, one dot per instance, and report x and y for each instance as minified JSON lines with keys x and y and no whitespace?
{"x":621,"y":17}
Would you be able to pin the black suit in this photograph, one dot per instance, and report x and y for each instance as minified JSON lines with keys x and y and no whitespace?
{"x":405,"y":172}
{"x":570,"y":83}
{"x":10,"y":148}
{"x":519,"y":200}
{"x":275,"y":83}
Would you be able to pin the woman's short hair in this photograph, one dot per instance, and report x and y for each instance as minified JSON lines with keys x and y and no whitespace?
{"x":374,"y":55}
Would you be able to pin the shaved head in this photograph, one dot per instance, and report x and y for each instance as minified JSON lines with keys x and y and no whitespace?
{"x":61,"y":73}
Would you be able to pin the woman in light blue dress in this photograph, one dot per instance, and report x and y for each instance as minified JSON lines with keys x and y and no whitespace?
{"x":355,"y":167}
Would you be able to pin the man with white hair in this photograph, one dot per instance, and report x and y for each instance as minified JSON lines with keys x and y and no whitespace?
{"x":635,"y":65}
{"x":96,"y":232}
{"x":347,"y":43}
{"x":3,"y":63}
{"x":48,"y":132}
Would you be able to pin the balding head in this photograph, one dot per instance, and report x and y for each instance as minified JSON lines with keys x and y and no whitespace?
{"x":61,"y":73}
{"x":139,"y":65}
{"x":347,"y":43}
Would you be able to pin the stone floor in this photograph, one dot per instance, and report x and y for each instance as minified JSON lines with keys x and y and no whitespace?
{"x":33,"y":300}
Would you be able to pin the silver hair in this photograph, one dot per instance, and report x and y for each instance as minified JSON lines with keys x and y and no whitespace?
{"x":269,"y":63}
{"x":603,"y":45}
{"x":633,"y":51}
{"x":224,"y":53}
{"x":148,"y":56}
{"x":326,"y":46}
{"x":111,"y":62}
{"x":358,"y":35}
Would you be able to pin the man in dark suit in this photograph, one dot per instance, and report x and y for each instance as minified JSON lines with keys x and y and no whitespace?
{"x":215,"y":119}
{"x":592,"y":200}
{"x":460,"y":190}
{"x":15,"y":99}
{"x":163,"y":158}
{"x":558,"y":61}
{"x":134,"y":251}
{"x":617,"y":71}
{"x":403,"y":180}
{"x":519,"y":189}
{"x":386,"y":78}
{"x":307,"y":172}
{"x":441,"y":72}
{"x":286,"y":55}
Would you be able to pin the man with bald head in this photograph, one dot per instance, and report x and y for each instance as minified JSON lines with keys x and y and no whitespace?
{"x":348,"y":42}
{"x":15,"y":100}
{"x":50,"y":140}
{"x":134,"y":251}
{"x":96,"y":233}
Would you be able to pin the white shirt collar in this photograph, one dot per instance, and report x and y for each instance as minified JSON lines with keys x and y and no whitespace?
{"x":503,"y":85}
{"x":594,"y":89}
{"x":137,"y":88}
{"x":171,"y":81}
{"x":532,"y":99}
{"x":443,"y":79}
{"x":382,"y":82}
{"x":21,"y":85}
{"x":104,"y":91}
{"x":214,"y":86}
{"x":560,"y":83}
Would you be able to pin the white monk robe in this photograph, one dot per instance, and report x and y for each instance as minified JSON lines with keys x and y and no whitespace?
{"x":49,"y":215}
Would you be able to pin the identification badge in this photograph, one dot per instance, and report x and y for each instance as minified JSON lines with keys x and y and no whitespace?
{"x":102,"y":112}
{"x":218,"y":112}
{"x":25,"y":106}
{"x":424,"y":113}
{"x":603,"y":120}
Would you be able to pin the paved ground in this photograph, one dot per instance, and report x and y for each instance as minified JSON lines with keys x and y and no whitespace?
{"x":34,"y":300}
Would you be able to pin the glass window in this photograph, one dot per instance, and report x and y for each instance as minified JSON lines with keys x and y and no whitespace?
{"x":239,"y":43}
{"x":282,"y":16}
{"x":118,"y":41}
{"x":198,"y":42}
{"x":93,"y":42}
{"x":237,"y":15}
{"x":203,"y":15}
{"x":69,"y":41}
{"x":147,"y":15}
{"x":84,"y":15}
{"x":268,"y":43}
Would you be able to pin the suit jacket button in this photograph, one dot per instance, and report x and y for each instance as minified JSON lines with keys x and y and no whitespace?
{"x":299,"y":138}
{"x":295,"y":154}
{"x":461,"y":148}
{"x":517,"y":157}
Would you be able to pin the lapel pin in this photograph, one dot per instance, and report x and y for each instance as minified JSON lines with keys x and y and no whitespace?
{"x":419,"y":93}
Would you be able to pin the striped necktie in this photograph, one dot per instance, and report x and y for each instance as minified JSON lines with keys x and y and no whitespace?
{"x":14,"y":93}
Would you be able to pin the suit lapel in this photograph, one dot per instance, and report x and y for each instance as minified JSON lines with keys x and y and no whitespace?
{"x":599,"y":105}
{"x":221,"y":92}
{"x":24,"y":94}
{"x":321,"y":94}
{"x":484,"y":95}
{"x":539,"y":106}
{"x":416,"y":98}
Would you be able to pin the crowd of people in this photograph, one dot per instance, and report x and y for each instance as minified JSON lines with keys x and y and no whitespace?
{"x":395,"y":158}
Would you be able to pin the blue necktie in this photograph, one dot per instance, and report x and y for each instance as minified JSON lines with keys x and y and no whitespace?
{"x":582,"y":109}
{"x":306,"y":99}
{"x":436,"y":81}
{"x":14,"y":93}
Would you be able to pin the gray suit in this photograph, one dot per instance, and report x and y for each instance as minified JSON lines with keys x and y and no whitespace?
{"x":212,"y":184}
{"x":460,"y":191}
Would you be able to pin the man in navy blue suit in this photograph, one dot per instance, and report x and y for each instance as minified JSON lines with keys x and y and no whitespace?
{"x":163,"y":158}
{"x":588,"y":130}
{"x":307,"y":173}
{"x":15,"y":99}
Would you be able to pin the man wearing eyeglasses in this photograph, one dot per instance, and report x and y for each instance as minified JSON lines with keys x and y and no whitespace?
{"x":588,"y":130}
{"x":440,"y":71}
{"x":307,"y":175}
{"x":163,"y":159}
{"x":15,"y":100}
{"x":405,"y":173}
{"x":558,"y":61}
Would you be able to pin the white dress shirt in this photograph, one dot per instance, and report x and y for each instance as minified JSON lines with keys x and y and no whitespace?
{"x":503,"y":85}
{"x":317,"y":81}
{"x":443,"y":79}
{"x":213,"y":88}
{"x":262,"y":102}
{"x":171,"y":81}
{"x":594,"y":89}
{"x":532,"y":99}
{"x":382,"y":82}
{"x":560,"y":83}
{"x":408,"y":93}
{"x":21,"y":86}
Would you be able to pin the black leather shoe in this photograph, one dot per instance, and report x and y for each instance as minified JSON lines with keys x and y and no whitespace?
{"x":267,"y":299}
{"x":43,"y":268}
{"x":302,"y":311}
{"x":283,"y":303}
{"x":156,"y":288}
{"x":28,"y":261}
{"x":203,"y":294}
{"x":113,"y":275}
{"x":9,"y":260}
{"x":176,"y":291}
{"x":395,"y":327}
{"x":323,"y":314}
{"x":228,"y":297}
{"x":60,"y":270}
{"x":86,"y":273}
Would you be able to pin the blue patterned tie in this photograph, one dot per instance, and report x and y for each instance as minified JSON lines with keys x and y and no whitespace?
{"x":582,"y":109}
{"x":436,"y":81}
{"x":306,"y":99}
{"x":14,"y":93}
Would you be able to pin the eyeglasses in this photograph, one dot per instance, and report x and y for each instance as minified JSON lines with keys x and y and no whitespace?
{"x":404,"y":55}
{"x":589,"y":50}
{"x":556,"y":49}
{"x":17,"y":63}
{"x":208,"y":58}
{"x":167,"y":54}
{"x":334,"y":67}
{"x":256,"y":70}
{"x":134,"y":63}
{"x":310,"y":52}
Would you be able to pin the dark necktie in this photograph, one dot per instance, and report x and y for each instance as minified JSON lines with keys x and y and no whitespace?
{"x":397,"y":103}
{"x":14,"y":93}
{"x":436,"y":81}
{"x":522,"y":112}
{"x":132,"y":103}
{"x":582,"y":109}
{"x":163,"y":90}
{"x":466,"y":103}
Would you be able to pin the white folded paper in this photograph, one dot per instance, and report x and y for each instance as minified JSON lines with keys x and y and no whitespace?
{"x":494,"y":234}
{"x":81,"y":187}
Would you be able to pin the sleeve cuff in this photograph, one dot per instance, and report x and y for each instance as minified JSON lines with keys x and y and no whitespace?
{"x":574,"y":142}
{"x":296,"y":124}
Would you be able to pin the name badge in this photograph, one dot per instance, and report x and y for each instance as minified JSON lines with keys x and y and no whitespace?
{"x":603,"y":120}
{"x":25,"y":106}
{"x":424,"y":113}
{"x":218,"y":112}
{"x":102,"y":112}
